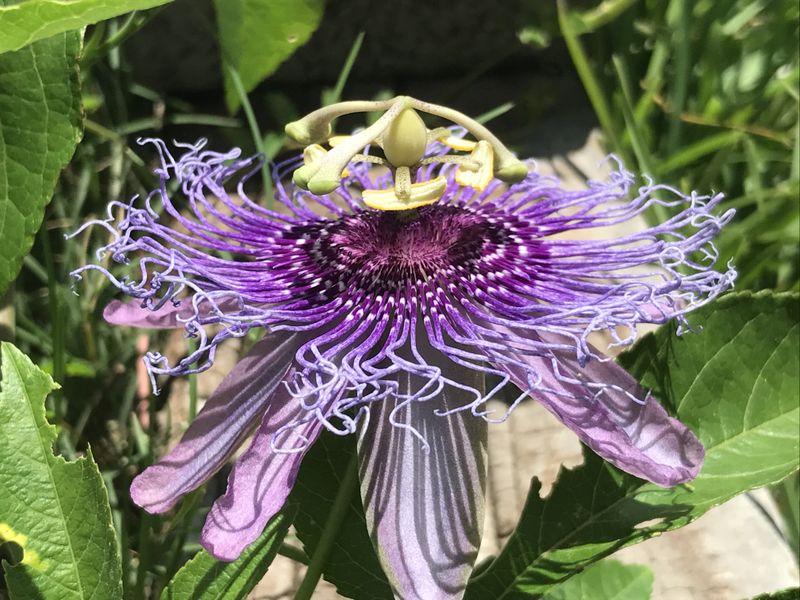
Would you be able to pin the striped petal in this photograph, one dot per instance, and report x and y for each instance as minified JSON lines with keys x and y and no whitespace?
{"x":168,"y":316}
{"x":425,"y":505}
{"x":220,"y":427}
{"x":612,"y":414}
{"x":261,"y":479}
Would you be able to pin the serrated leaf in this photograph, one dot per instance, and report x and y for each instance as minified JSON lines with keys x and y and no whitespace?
{"x":40,"y":125}
{"x":56,"y":511}
{"x":606,"y":580}
{"x":33,"y":20}
{"x":206,"y":577}
{"x":734,"y":383}
{"x":352,"y":565}
{"x":256,"y":36}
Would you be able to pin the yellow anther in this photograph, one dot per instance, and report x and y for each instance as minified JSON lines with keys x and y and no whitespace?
{"x":405,"y":140}
{"x":313,"y":153}
{"x":335,"y":140}
{"x":421,"y":194}
{"x":479,"y":178}
{"x":459,"y":144}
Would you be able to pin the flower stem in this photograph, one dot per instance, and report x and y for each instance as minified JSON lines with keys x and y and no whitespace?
{"x":192,"y":377}
{"x":340,"y":505}
{"x":294,"y":553}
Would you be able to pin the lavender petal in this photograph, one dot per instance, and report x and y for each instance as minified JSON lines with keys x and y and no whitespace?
{"x":612,"y":414}
{"x":261,"y":479}
{"x":220,"y":426}
{"x":424,"y":501}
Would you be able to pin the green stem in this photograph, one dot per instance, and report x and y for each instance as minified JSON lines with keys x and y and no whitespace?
{"x":145,"y":526}
{"x":604,"y":13}
{"x":56,"y":331}
{"x":692,"y":152}
{"x":112,"y":136}
{"x":657,"y":213}
{"x":682,"y":67}
{"x":192,"y":387}
{"x":179,"y":530}
{"x":135,"y":21}
{"x":294,"y":553}
{"x":258,"y":140}
{"x":340,"y":505}
{"x":335,"y":95}
{"x":637,"y":137}
{"x":494,"y":113}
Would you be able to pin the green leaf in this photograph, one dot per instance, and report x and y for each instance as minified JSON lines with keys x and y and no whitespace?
{"x":56,"y":511}
{"x":256,"y":36}
{"x":40,"y":125}
{"x":352,"y":565}
{"x":206,"y":577}
{"x":787,"y":594}
{"x":734,"y":383}
{"x":33,"y":20}
{"x":606,"y":580}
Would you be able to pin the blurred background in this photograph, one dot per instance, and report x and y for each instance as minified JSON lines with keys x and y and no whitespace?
{"x":702,"y":95}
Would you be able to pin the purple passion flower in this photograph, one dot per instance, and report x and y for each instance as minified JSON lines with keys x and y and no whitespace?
{"x":390,"y":322}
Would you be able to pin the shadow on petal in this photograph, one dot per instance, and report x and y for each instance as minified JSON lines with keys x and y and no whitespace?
{"x":219,"y":427}
{"x":610,"y":412}
{"x":424,"y":501}
{"x":262,"y":477}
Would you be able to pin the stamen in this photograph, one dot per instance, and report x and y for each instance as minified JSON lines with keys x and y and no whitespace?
{"x":510,"y":168}
{"x":420,"y":194}
{"x":315,"y":127}
{"x":478,"y":178}
{"x":313,"y":153}
{"x":369,"y":158}
{"x":404,"y":138}
{"x":335,"y":140}
{"x":459,"y":144}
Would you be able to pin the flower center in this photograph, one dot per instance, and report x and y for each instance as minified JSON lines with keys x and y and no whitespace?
{"x":378,"y":250}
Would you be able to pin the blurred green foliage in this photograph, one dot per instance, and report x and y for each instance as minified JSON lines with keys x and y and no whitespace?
{"x":705,"y":95}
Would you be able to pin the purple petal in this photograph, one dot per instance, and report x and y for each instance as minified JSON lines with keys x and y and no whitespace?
{"x":424,"y":506}
{"x":220,"y":427}
{"x":134,"y":315}
{"x":636,"y":435}
{"x":260,"y":480}
{"x":168,"y":316}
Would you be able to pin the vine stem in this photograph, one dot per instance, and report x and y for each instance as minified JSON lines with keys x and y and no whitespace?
{"x":340,"y":505}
